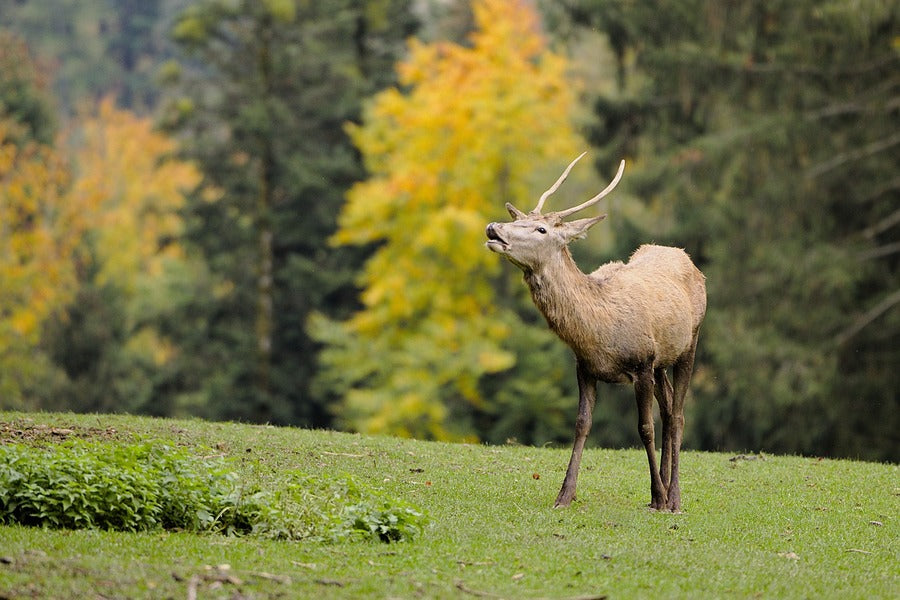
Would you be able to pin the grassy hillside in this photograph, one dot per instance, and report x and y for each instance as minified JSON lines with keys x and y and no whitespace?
{"x":753,"y":526}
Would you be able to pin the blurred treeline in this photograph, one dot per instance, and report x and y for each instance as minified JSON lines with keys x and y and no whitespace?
{"x":273,"y":210}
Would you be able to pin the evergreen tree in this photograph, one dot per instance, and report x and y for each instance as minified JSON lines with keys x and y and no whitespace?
{"x":93,"y":48}
{"x":265,"y":89}
{"x":24,"y":100}
{"x":765,"y":140}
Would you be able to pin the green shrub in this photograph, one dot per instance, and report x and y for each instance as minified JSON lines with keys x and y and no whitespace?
{"x":121,"y":487}
{"x":150,"y":485}
{"x":338,"y":508}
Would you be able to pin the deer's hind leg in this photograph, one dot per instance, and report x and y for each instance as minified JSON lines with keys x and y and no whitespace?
{"x":662,"y":389}
{"x":682,"y":371}
{"x":643,"y":392}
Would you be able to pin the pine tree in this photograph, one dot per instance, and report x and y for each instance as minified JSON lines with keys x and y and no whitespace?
{"x":764,"y":136}
{"x":25,"y":103}
{"x":94,"y":48}
{"x":264,"y":91}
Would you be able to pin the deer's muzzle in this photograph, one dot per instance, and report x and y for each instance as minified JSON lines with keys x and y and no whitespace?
{"x":495,"y":242}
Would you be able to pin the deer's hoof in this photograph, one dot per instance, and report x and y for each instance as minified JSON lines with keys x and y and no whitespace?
{"x":659,"y":504}
{"x":563,"y":501}
{"x":674,"y":502}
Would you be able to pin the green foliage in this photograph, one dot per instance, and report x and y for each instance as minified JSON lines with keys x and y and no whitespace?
{"x":95,"y":47}
{"x":23,"y":96}
{"x":260,"y":98}
{"x":754,"y":525}
{"x":156,"y":485}
{"x":534,"y":401}
{"x":39,"y":231}
{"x":443,"y":158}
{"x":723,"y":109}
{"x":121,"y":487}
{"x":760,"y":136}
{"x":109,"y":342}
{"x":339,"y":509}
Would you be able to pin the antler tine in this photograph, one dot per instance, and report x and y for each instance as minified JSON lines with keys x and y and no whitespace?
{"x":565,"y":213}
{"x":555,"y":186}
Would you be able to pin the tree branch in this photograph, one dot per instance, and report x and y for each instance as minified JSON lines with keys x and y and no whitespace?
{"x":882,"y":225}
{"x":880,"y":251}
{"x":867,"y":150}
{"x":888,"y":186}
{"x":866,"y":318}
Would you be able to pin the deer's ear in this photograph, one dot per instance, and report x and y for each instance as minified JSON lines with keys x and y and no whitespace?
{"x":515,"y":213}
{"x":578,"y":229}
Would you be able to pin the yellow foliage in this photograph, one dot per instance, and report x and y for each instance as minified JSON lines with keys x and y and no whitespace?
{"x":132,"y":186}
{"x":24,"y":322}
{"x":147,"y":342}
{"x":38,"y":233}
{"x":120,"y":196}
{"x":493,"y":362}
{"x":282,"y":10}
{"x":460,"y":137}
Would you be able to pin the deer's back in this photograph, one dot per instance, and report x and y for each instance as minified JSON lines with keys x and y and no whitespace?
{"x":671,"y":275}
{"x":651,"y":306}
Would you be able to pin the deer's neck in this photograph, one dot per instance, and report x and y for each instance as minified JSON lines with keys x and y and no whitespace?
{"x":566,"y":297}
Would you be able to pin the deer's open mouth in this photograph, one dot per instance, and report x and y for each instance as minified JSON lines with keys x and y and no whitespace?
{"x":495,"y":242}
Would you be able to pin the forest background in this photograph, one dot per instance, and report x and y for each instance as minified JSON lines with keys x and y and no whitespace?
{"x":273,"y":211}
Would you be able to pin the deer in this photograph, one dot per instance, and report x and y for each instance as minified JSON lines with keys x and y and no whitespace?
{"x":625,"y":322}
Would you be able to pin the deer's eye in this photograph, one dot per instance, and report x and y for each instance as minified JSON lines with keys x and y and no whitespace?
{"x":541,"y":230}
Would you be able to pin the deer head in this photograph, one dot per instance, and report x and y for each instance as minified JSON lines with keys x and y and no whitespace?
{"x":530,"y":240}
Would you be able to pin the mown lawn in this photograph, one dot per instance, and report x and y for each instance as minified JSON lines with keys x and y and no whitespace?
{"x":753,"y":526}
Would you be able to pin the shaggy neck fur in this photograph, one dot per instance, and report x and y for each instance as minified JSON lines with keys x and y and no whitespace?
{"x":565,"y":295}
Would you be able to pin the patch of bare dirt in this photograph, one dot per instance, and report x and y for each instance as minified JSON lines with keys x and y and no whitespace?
{"x":27,"y":432}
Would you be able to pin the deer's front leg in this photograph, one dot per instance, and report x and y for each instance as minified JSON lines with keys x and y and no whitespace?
{"x":587,"y":396}
{"x":643,"y":391}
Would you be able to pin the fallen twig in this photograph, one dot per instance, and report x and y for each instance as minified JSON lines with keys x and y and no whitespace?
{"x":467,"y":590}
{"x":344,"y":454}
{"x":759,"y":456}
{"x":467,"y":563}
{"x":272,"y":577}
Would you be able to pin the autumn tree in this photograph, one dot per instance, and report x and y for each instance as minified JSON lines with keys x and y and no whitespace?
{"x":38,"y":229}
{"x":38,"y":234}
{"x":111,"y":344}
{"x":259,"y":97}
{"x":466,"y":131}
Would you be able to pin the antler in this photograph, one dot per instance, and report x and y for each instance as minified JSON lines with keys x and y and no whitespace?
{"x":555,"y":186}
{"x":565,"y":213}
{"x":515,"y":212}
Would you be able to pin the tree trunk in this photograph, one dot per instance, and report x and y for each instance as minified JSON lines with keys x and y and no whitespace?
{"x":263,"y":218}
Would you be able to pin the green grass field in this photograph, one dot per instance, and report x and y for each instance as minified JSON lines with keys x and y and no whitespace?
{"x":753,"y":526}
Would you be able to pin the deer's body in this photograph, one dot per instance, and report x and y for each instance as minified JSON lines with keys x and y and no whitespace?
{"x":622,"y":314}
{"x":625,"y":322}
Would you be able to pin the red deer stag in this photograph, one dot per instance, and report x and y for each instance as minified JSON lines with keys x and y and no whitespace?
{"x":625,"y":322}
